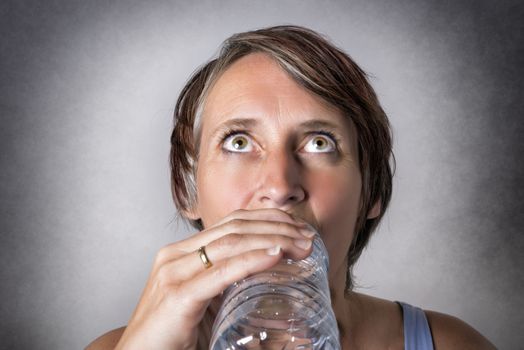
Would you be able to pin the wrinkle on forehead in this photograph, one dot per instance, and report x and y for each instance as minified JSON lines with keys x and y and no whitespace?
{"x":256,"y":86}
{"x":254,"y":73}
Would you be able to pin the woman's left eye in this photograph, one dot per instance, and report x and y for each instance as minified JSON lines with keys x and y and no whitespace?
{"x":320,"y":144}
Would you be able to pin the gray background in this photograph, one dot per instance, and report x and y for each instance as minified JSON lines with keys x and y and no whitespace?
{"x":87,"y":89}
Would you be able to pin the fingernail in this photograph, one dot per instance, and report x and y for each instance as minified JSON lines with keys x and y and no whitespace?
{"x":273,"y":250}
{"x":302,"y":243}
{"x":307,"y":232}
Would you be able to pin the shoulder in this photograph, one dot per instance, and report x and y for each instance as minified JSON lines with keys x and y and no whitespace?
{"x":449,"y":332}
{"x":374,"y":323}
{"x":107,"y":340}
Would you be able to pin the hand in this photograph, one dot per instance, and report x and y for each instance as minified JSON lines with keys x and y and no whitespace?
{"x":180,"y":288}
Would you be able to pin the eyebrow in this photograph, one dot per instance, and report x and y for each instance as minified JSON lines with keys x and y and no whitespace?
{"x":240,"y":123}
{"x":247,"y":123}
{"x":319,"y":124}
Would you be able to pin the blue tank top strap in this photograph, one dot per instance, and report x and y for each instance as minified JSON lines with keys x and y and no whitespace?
{"x":417,"y":335}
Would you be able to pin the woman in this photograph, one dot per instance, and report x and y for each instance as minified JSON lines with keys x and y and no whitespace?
{"x":280,"y":132}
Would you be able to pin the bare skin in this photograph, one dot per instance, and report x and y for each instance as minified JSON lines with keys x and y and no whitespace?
{"x":272,"y":158}
{"x":380,"y":329}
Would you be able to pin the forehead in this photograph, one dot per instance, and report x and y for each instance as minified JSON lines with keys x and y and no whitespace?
{"x":257,"y":87}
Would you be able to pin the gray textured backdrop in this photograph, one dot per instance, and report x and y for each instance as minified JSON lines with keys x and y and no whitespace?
{"x":87,"y":89}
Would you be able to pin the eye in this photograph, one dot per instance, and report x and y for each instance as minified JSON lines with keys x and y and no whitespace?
{"x":238,"y":143}
{"x":320,"y":144}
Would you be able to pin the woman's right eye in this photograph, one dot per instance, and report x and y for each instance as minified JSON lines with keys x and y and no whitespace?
{"x":238,"y":143}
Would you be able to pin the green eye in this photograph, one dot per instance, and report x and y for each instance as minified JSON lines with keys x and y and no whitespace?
{"x":320,"y":144}
{"x":238,"y":143}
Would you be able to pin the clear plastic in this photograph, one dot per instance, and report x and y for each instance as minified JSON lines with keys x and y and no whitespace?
{"x":286,"y":307}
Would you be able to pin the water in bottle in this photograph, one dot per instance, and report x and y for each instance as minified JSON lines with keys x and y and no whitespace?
{"x":286,"y":307}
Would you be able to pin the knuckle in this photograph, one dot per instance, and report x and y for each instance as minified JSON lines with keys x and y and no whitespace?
{"x":161,"y":255}
{"x":237,"y":214}
{"x":235,"y":224}
{"x":283,"y":226}
{"x":221,"y":271}
{"x":230,"y":240}
{"x":245,"y":261}
{"x":281,"y":213}
{"x":235,"y":268}
{"x":291,"y":229}
{"x":284,"y":241}
{"x":296,"y":229}
{"x":240,"y":211}
{"x":163,"y":277}
{"x":168,"y":252}
{"x":230,"y":267}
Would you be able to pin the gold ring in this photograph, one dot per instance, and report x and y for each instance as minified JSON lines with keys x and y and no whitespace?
{"x":203,"y":256}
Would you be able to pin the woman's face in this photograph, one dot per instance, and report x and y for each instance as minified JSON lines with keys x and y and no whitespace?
{"x":266,"y":142}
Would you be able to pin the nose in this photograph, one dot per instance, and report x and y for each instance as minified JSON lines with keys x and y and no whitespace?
{"x":280,"y":181}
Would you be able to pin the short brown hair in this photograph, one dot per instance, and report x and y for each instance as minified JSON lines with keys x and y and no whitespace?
{"x":323,"y":69}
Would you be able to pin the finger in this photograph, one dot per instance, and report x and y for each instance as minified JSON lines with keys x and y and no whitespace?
{"x":230,"y":245}
{"x":296,"y":248}
{"x":243,"y":226}
{"x":270,"y":220}
{"x":267,"y":214}
{"x":211,"y":282}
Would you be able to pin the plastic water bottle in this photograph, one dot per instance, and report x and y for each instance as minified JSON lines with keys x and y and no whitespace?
{"x":286,"y":307}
